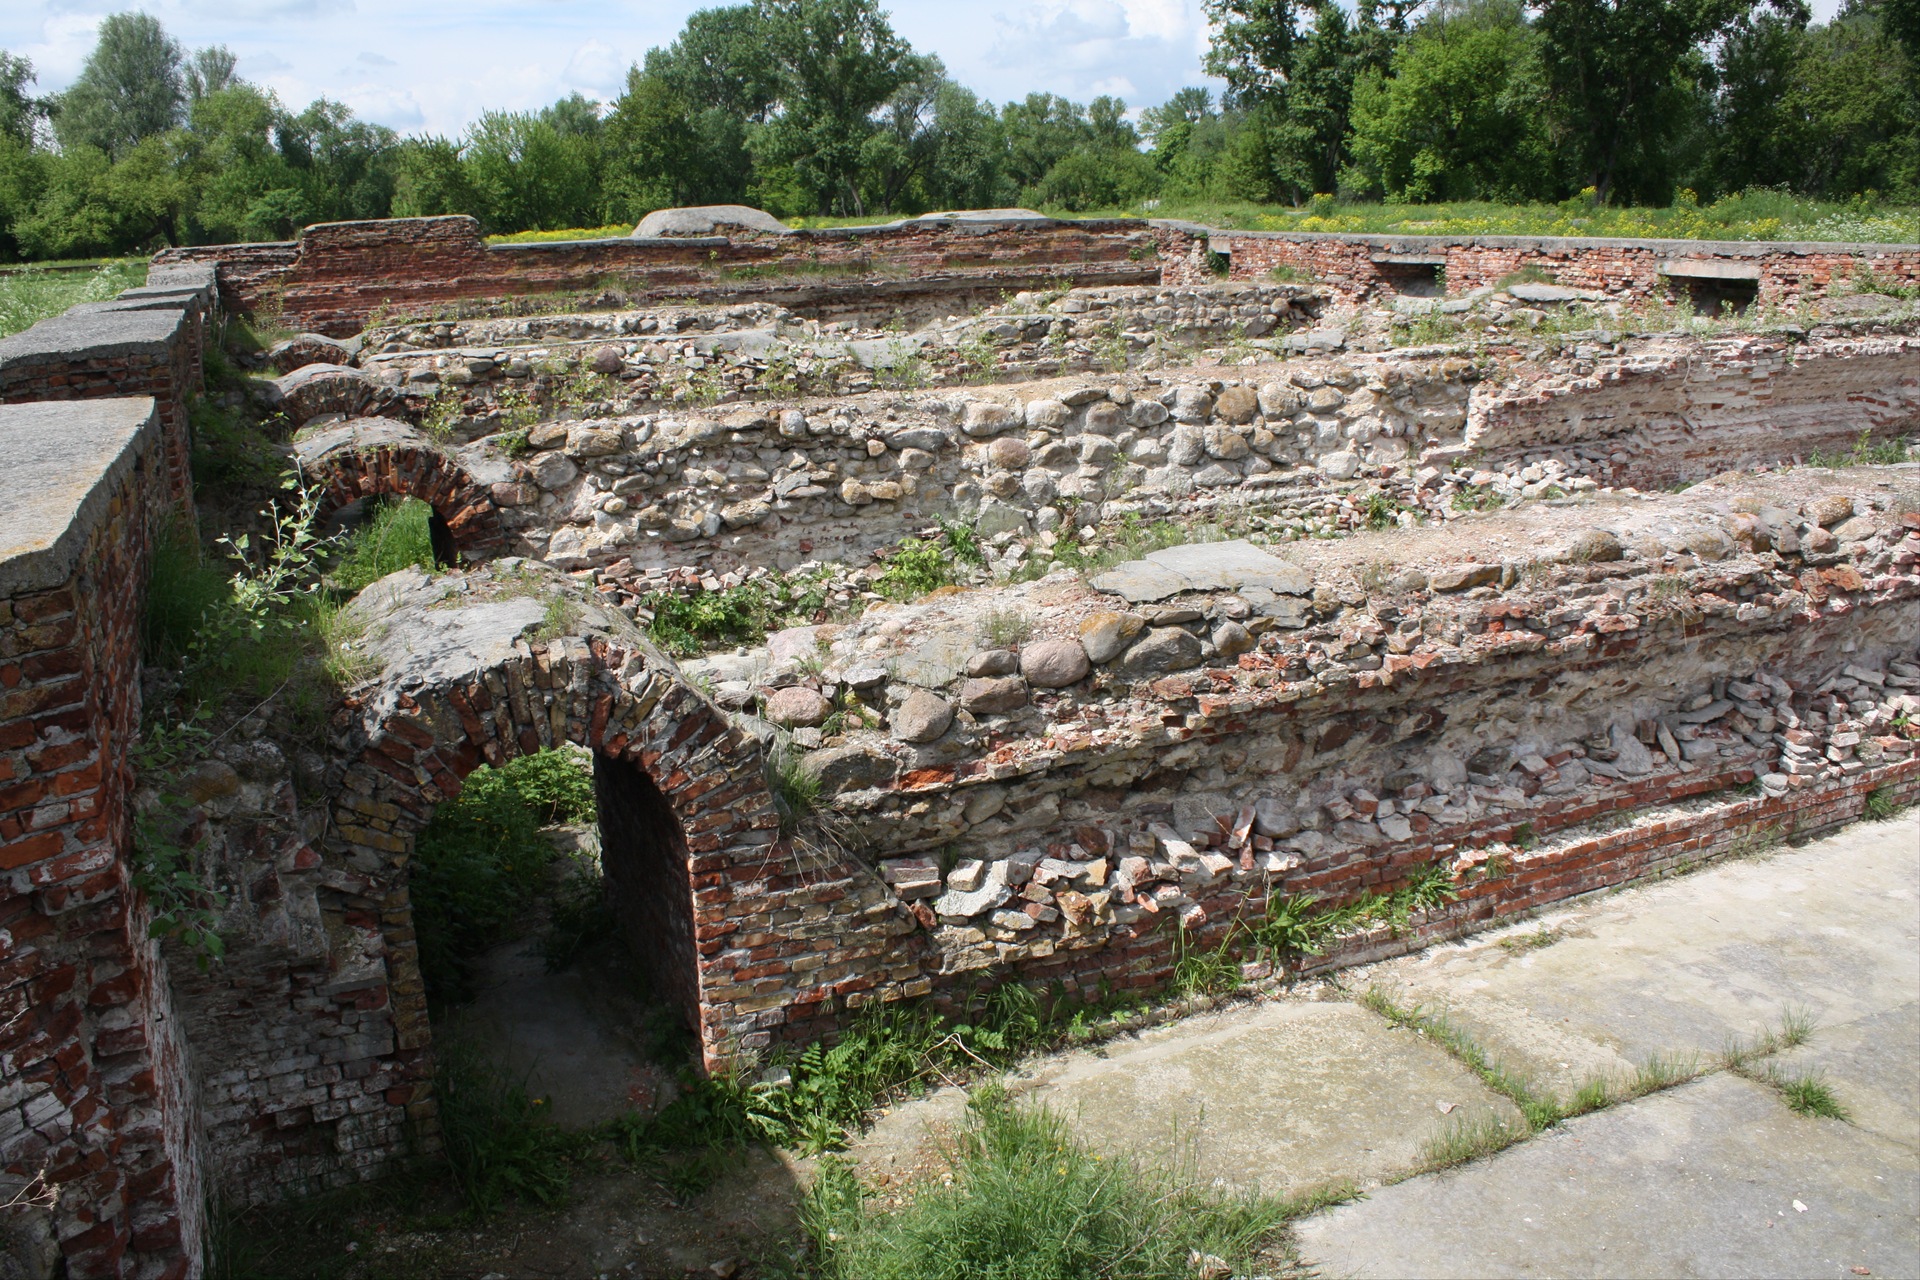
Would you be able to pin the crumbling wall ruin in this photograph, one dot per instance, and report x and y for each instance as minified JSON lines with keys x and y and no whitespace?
{"x":1063,"y":774}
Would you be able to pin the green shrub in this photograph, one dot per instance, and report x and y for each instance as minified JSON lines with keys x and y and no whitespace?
{"x":1029,"y":1202}
{"x":481,"y":859}
{"x":688,"y":623}
{"x":397,"y":536}
{"x":914,"y":568}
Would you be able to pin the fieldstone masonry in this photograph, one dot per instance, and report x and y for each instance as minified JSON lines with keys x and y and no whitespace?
{"x":1439,"y":621}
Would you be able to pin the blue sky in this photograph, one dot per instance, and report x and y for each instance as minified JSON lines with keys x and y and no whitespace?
{"x":433,"y":65}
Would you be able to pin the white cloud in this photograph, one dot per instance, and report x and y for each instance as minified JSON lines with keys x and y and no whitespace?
{"x":457,"y":60}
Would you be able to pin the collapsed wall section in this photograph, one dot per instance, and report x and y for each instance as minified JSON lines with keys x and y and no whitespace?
{"x":1162,"y":753}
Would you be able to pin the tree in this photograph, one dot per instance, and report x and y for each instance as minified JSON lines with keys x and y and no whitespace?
{"x":19,"y":113}
{"x":1252,"y":48}
{"x":1620,"y":78}
{"x":530,"y":175}
{"x":1457,"y":116}
{"x":430,"y":180}
{"x":131,"y":89}
{"x":1856,"y":95}
{"x":838,"y":62}
{"x":209,"y":71}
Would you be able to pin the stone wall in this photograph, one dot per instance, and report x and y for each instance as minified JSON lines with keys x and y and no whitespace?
{"x":97,"y":1090}
{"x":839,"y":478}
{"x":1066,"y":807}
{"x":1357,"y":267}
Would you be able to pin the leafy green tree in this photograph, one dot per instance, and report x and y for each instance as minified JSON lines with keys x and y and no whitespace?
{"x":244,"y":188}
{"x":1856,"y":97}
{"x":839,"y":62}
{"x":430,"y":180}
{"x":91,"y":205}
{"x":1622,"y":79}
{"x":209,"y":71}
{"x":345,"y":166}
{"x":530,"y":174}
{"x":132,"y":88}
{"x":1252,"y":47}
{"x":19,"y":112}
{"x":1457,"y":116}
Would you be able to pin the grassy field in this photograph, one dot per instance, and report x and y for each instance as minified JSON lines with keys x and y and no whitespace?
{"x":613,"y":231}
{"x":32,"y":294}
{"x":1758,"y":215}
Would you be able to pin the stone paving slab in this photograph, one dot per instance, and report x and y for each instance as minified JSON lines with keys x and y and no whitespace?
{"x":1832,"y":928}
{"x":1706,"y":1180}
{"x":1280,"y":1098}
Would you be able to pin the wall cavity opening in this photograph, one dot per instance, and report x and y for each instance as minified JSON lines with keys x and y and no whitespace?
{"x":1413,"y":275}
{"x":643,"y":851}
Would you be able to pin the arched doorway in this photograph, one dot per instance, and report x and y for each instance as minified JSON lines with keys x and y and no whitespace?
{"x":643,"y":852}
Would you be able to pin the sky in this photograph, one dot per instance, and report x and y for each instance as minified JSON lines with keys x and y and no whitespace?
{"x":434,"y":65}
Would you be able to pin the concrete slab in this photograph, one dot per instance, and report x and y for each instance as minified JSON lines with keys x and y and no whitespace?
{"x":64,"y":459}
{"x":1688,"y":964}
{"x":1280,"y":1097}
{"x":1716,"y":1178}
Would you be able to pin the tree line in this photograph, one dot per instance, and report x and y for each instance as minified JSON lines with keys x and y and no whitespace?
{"x":818,"y":107}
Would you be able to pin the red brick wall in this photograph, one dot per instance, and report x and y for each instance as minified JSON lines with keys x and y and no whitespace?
{"x":97,"y":1089}
{"x":1624,"y":268}
{"x":345,"y":272}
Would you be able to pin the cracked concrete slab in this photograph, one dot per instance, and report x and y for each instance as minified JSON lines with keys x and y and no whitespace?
{"x":1831,"y":929}
{"x":1707,"y":1180}
{"x":1281,"y":1098}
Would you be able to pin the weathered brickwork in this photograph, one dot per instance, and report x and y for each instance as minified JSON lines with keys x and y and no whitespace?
{"x":1069,"y":776}
{"x":379,"y":457}
{"x":93,"y":1077}
{"x":146,"y":343}
{"x":1360,"y":266}
{"x":340,"y":274}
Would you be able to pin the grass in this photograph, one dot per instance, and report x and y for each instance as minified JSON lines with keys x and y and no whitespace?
{"x":1470,"y":1138}
{"x":1751,"y":215}
{"x":30,"y":296}
{"x":1523,"y":943}
{"x":1027,"y":1201}
{"x":695,"y":622}
{"x":612,"y":231}
{"x":396,"y":537}
{"x":501,"y":1142}
{"x":1807,"y":1094}
{"x":481,"y":859}
{"x":1865,"y":453}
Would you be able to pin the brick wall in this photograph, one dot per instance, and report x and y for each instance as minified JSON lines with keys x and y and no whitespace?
{"x":1357,"y":267}
{"x":342,"y":274}
{"x":96,"y":1089}
{"x":148,"y":342}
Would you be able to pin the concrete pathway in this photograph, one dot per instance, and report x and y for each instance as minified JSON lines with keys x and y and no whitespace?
{"x":1717,"y":1177}
{"x":1713,"y":1178}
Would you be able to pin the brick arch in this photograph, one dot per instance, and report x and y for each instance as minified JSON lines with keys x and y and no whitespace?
{"x":368,"y":457}
{"x":631,"y":708}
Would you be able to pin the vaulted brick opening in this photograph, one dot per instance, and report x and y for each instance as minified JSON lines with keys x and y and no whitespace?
{"x":643,"y":852}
